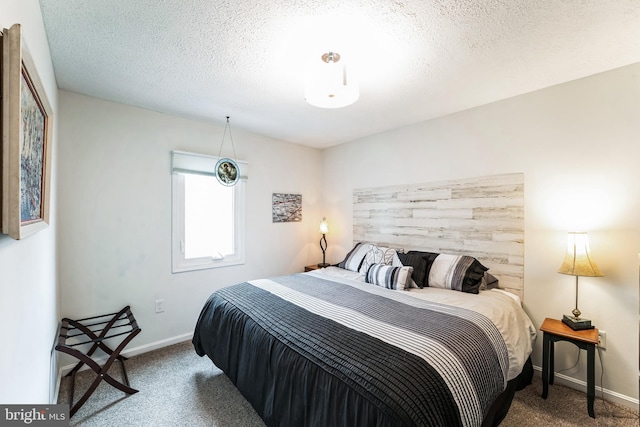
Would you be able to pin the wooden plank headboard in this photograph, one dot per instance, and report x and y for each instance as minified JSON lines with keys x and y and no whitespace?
{"x":482,"y":217}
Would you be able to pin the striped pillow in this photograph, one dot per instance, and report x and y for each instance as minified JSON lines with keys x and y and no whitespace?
{"x":388,"y":276}
{"x":457,"y":272}
{"x":354,"y":258}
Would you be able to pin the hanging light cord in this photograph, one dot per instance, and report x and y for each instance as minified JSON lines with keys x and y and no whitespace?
{"x":227,"y":126}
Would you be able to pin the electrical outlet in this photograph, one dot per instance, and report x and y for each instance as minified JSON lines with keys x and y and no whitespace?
{"x":159,"y":305}
{"x":602,"y":340}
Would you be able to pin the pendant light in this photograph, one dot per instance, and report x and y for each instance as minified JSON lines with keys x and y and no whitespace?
{"x":331,"y":86}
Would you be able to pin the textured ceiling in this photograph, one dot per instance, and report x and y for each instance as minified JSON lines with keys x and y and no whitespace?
{"x":415,"y":59}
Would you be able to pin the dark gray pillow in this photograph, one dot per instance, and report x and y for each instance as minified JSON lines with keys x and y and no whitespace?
{"x":428,"y":258}
{"x":419,"y":264}
{"x":489,"y":281}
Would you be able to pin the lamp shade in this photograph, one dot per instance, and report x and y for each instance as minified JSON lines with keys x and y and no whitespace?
{"x":324,"y":226}
{"x":578,"y":261}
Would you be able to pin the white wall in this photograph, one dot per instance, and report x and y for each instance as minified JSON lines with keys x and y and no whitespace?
{"x":115,"y":213}
{"x":577,"y":144}
{"x":28,"y":282}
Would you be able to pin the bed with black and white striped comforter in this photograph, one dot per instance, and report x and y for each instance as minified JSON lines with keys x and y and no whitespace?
{"x":307,"y":350}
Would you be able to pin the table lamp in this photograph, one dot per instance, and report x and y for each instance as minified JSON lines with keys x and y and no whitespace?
{"x":324,"y":229}
{"x":578,"y":262}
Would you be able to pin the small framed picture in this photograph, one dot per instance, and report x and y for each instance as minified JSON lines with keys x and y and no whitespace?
{"x":287,"y":207}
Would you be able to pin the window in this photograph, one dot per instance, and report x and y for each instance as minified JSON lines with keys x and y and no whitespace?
{"x":208,"y":217}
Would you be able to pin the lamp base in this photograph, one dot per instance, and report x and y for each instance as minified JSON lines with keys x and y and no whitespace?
{"x":576,"y":323}
{"x":323,"y":265}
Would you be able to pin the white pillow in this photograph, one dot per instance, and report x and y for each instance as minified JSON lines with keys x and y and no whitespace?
{"x":379,"y":255}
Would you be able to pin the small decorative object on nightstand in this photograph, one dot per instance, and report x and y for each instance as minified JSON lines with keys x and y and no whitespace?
{"x":556,"y":330}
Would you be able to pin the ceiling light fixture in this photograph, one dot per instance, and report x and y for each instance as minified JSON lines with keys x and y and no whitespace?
{"x":330,"y":85}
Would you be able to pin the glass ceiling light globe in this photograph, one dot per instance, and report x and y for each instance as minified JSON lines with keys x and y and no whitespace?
{"x":330,"y":85}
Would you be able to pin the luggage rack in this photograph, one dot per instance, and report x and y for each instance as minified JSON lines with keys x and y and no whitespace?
{"x":95,"y":330}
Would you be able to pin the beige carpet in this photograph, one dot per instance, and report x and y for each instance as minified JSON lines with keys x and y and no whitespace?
{"x":178,"y":388}
{"x":564,"y":407}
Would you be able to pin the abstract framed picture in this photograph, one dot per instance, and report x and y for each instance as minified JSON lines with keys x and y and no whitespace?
{"x":27,"y":125}
{"x":287,"y":207}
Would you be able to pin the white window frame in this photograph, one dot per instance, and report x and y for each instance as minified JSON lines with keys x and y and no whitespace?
{"x":182,"y":163}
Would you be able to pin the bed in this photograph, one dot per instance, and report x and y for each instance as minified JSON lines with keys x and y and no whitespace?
{"x":381,"y":339}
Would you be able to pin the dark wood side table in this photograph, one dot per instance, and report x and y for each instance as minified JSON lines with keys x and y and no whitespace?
{"x":554,"y":330}
{"x":311,"y":267}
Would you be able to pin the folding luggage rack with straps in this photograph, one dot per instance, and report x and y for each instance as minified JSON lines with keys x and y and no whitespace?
{"x":95,"y":330}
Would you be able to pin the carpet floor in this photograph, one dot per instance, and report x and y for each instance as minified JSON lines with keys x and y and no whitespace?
{"x":179,"y":388}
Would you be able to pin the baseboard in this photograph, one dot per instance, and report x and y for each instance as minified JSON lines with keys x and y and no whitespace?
{"x":609,"y":395}
{"x":129,"y":353}
{"x":57,"y":388}
{"x":57,"y":379}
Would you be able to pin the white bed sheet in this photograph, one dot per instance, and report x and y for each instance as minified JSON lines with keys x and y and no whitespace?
{"x":502,"y":308}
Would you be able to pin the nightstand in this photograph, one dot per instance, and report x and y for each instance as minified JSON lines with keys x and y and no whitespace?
{"x":312,"y":267}
{"x":554,"y":330}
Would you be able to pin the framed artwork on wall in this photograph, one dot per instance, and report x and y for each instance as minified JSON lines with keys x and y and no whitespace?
{"x":287,"y":207}
{"x":27,"y":126}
